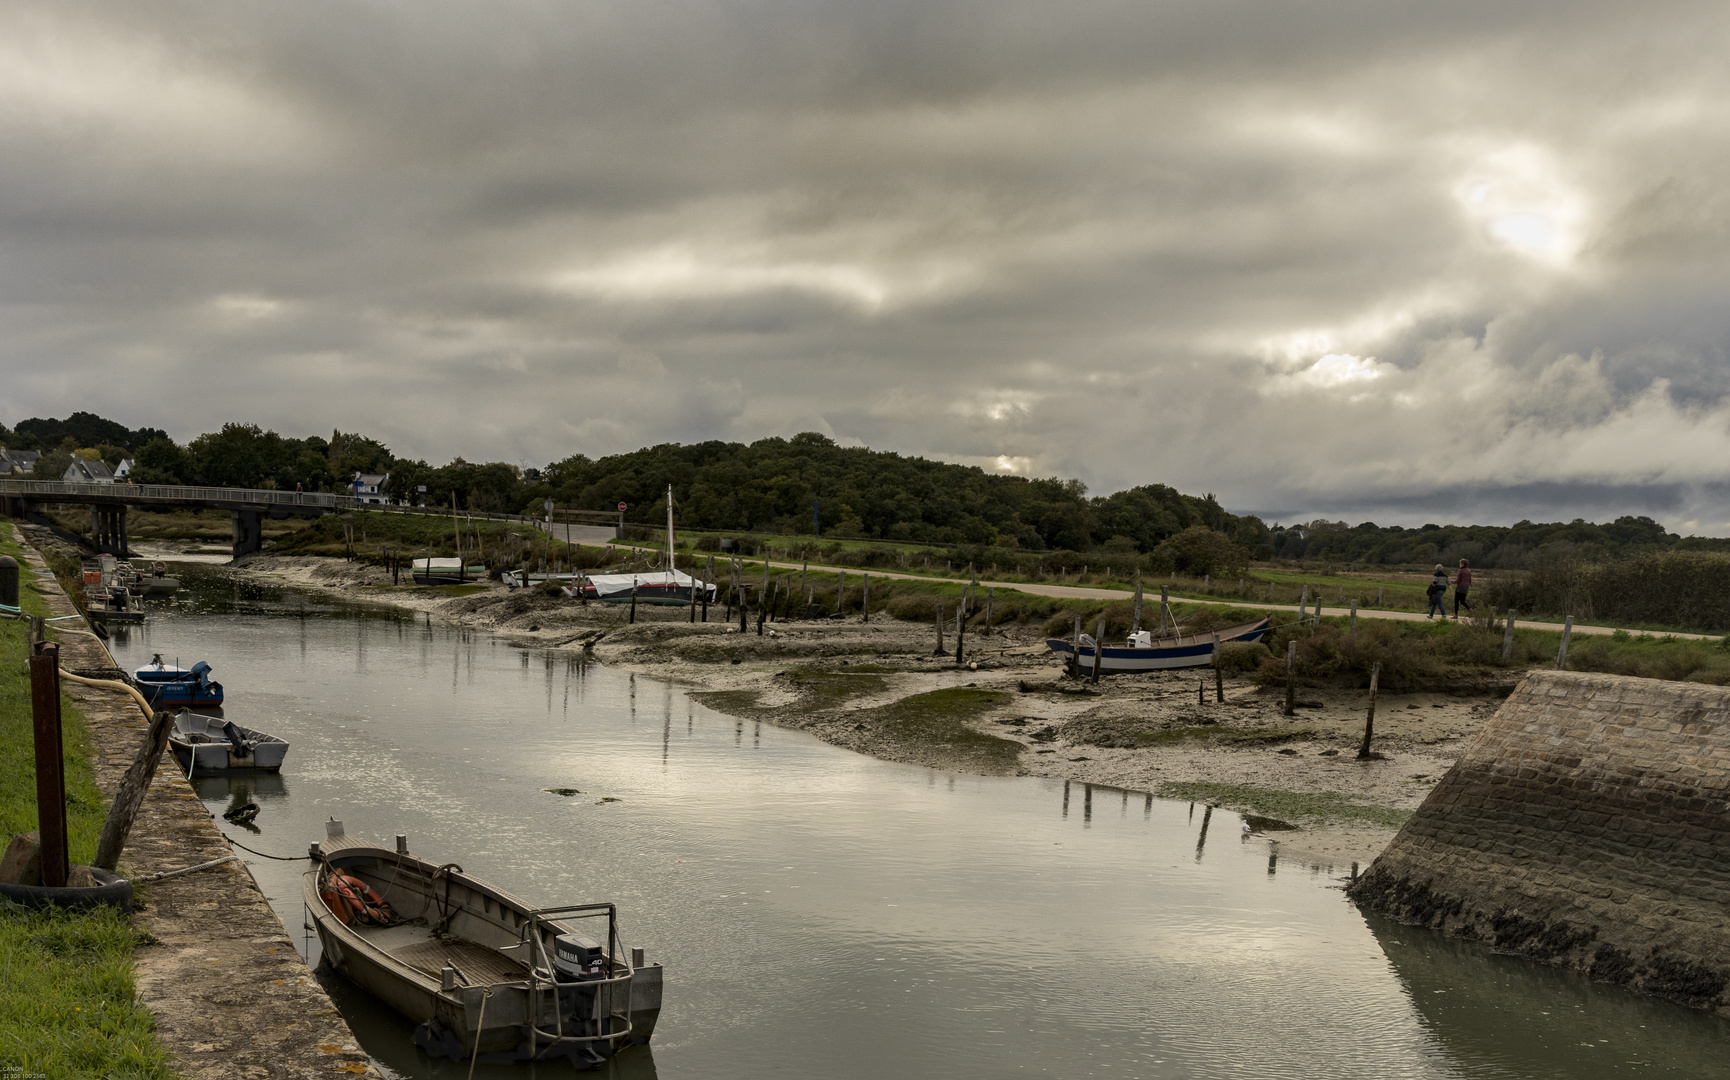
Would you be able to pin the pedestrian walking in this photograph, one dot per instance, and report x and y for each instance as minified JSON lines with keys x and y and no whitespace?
{"x":1462,"y":584}
{"x":1438,"y":594}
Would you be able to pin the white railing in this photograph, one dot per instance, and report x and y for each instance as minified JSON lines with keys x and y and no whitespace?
{"x":56,"y":489}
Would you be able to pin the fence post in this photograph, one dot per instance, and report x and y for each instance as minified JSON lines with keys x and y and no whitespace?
{"x":1370,"y":718}
{"x":1508,"y":638}
{"x":1562,"y":653}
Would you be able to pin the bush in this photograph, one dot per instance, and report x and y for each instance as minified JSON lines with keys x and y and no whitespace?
{"x":1239,"y":657}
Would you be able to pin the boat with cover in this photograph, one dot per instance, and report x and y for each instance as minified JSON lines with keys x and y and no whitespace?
{"x":1144,"y":652}
{"x":482,"y":975}
{"x":212,"y":746}
{"x":155,"y":582}
{"x":652,"y":587}
{"x":428,"y":571}
{"x":168,"y":684}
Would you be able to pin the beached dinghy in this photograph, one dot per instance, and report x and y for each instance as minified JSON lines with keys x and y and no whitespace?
{"x":479,"y":972}
{"x":1144,"y":652}
{"x":212,"y":746}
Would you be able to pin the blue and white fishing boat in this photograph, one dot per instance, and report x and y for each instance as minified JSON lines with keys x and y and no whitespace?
{"x":167,"y":685}
{"x":1144,"y":652}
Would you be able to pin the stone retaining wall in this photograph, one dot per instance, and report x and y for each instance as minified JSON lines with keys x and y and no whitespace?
{"x":1588,"y":825}
{"x":231,"y":995}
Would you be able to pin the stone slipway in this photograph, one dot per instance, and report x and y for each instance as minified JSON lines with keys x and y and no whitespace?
{"x":233,"y":1000}
{"x":1588,"y":825}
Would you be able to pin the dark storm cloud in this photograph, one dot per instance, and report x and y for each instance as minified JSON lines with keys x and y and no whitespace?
{"x":1323,"y":259}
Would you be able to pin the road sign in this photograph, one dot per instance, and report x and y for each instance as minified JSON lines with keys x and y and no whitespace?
{"x":621,"y":508}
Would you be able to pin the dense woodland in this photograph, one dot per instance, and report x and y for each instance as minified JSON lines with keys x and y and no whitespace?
{"x":808,"y":483}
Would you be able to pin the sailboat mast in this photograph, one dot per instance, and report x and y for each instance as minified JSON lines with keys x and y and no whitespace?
{"x":670,"y":566}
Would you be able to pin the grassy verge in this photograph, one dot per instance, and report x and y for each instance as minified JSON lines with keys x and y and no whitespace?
{"x":68,"y":1009}
{"x":938,"y":719}
{"x":1286,"y":805}
{"x":67,"y":1005}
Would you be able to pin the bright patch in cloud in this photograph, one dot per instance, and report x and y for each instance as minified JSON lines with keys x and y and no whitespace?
{"x":1517,"y":197}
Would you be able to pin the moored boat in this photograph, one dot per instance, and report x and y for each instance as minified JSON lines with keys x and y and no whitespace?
{"x":481,"y":974}
{"x":429,"y":571}
{"x":212,"y":746}
{"x":1144,"y":652}
{"x":654,"y":587}
{"x":165,"y":685}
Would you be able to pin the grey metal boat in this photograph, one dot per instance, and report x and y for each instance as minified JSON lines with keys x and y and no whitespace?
{"x":209,"y":746}
{"x":482,"y":975}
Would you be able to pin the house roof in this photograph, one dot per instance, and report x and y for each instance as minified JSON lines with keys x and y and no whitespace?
{"x":371,"y":479}
{"x":87,"y":471}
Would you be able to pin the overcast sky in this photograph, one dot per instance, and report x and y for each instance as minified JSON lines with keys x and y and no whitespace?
{"x":1408,"y":263}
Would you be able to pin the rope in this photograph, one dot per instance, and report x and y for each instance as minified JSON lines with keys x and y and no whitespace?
{"x":278,"y":858}
{"x":166,"y":874}
{"x":479,"y":1027}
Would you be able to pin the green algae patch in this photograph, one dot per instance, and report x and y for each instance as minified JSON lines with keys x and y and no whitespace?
{"x":1286,"y":805}
{"x":827,"y":689}
{"x":937,"y":721}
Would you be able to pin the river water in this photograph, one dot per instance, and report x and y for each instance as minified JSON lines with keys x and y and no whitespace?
{"x":823,"y":914}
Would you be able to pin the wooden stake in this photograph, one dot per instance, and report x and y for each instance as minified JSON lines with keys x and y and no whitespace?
{"x":1218,"y":673}
{"x":130,"y":795}
{"x":1508,"y":638}
{"x":1291,"y":677}
{"x":1354,"y":628}
{"x":1562,"y":653}
{"x":939,"y":650}
{"x":960,"y":628}
{"x":1370,"y":717}
{"x":988,"y":590}
{"x":50,"y":764}
{"x":1098,"y":650}
{"x":1165,"y":609}
{"x":1075,"y":656}
{"x":1137,"y":626}
{"x":867,"y":600}
{"x":633,"y":602}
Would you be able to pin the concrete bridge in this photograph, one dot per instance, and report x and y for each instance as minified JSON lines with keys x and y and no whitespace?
{"x":108,"y":504}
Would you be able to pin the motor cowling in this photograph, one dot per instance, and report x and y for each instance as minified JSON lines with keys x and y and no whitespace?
{"x":578,"y":958}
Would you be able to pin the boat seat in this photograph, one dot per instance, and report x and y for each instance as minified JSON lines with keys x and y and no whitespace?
{"x":479,"y":965}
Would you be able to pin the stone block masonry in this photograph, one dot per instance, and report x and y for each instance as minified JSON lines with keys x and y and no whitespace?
{"x":1588,"y":826}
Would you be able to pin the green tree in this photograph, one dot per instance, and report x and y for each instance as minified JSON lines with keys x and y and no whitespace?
{"x":159,"y":461}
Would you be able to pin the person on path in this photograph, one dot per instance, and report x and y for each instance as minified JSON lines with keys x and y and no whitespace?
{"x":1438,"y":593}
{"x":1462,"y":582}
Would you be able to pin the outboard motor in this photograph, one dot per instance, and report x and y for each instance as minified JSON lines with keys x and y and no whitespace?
{"x":578,"y":958}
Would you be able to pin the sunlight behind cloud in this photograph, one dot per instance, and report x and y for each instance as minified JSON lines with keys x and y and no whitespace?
{"x":1517,"y":197}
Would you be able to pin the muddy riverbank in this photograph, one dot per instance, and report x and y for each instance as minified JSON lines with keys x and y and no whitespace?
{"x":880,"y":688}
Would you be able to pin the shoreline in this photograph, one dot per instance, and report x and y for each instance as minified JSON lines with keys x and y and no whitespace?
{"x":876,"y":688}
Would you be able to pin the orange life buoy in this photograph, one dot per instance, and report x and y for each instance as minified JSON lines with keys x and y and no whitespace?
{"x":351,"y":899}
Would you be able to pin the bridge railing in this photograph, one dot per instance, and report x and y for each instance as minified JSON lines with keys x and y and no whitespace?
{"x":59,"y":489}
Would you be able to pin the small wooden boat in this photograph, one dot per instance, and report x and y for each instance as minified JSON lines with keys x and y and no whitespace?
{"x":481,"y":974}
{"x":165,"y":685}
{"x":211,"y":746}
{"x":1147,"y":653}
{"x":156,"y":582}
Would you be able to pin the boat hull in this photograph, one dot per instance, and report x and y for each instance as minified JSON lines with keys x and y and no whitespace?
{"x":1195,"y":650}
{"x":183,"y":694}
{"x":217,"y":759}
{"x":477,"y":926}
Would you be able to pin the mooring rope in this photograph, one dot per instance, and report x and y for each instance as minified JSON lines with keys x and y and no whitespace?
{"x":278,"y":858}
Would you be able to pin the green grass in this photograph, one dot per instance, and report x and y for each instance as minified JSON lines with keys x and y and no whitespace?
{"x":832,"y":688}
{"x":28,"y":598}
{"x":1285,"y":805}
{"x":938,"y":719}
{"x":68,"y":1009}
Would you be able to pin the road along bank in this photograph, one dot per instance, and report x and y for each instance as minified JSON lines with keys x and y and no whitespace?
{"x":231,"y":996}
{"x":877,"y":688}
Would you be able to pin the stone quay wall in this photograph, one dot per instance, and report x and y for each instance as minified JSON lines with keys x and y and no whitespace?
{"x":1588,"y":826}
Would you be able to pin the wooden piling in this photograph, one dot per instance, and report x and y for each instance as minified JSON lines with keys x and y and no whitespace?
{"x":1165,"y":608}
{"x":1137,"y":624}
{"x":1098,"y":650}
{"x":1370,"y":717}
{"x":1291,"y":677}
{"x":633,"y":602}
{"x":866,"y":602}
{"x":988,"y":591}
{"x":50,"y":765}
{"x":1508,"y":638}
{"x":1075,"y":653}
{"x":960,"y":628}
{"x":1218,"y":673}
{"x":939,"y":650}
{"x":1562,"y":653}
{"x":1354,"y":617}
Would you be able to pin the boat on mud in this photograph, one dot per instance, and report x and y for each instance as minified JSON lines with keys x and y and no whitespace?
{"x":1144,"y":652}
{"x":165,"y":685}
{"x":650,"y":587}
{"x":483,"y":975}
{"x":212,"y":746}
{"x":429,"y":571}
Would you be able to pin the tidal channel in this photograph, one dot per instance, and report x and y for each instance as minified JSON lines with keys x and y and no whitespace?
{"x":824,"y":914}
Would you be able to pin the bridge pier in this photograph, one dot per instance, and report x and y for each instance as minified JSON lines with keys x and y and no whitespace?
{"x":248,"y":534}
{"x":108,"y":529}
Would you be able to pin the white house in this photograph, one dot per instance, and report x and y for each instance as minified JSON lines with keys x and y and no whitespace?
{"x":124,"y":469}
{"x":18,"y":461}
{"x":88,"y":472}
{"x":369,"y":487}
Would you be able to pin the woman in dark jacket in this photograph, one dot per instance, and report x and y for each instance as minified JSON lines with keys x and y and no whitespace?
{"x":1438,"y":592}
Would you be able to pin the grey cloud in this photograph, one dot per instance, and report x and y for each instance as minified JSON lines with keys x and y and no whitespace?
{"x":1230,"y":247}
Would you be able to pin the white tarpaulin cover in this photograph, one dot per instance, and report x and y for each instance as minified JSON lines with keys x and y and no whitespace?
{"x":620,"y":584}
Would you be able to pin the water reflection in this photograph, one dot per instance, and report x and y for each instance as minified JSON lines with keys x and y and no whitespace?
{"x":825,"y":914}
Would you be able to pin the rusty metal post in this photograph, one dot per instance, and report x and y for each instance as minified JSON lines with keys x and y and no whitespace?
{"x":50,"y":767}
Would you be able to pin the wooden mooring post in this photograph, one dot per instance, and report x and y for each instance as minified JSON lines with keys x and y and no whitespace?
{"x":1354,"y":617}
{"x":1562,"y":653}
{"x":939,"y":650}
{"x":1370,"y":717}
{"x":1508,"y":637}
{"x":1098,"y":650}
{"x":1136,"y":626}
{"x":1291,"y":677}
{"x":1218,"y":673}
{"x":865,"y":601}
{"x":50,"y":765}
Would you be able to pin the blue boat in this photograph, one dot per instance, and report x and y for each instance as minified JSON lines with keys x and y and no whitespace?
{"x":1145,"y":652}
{"x":166,"y":685}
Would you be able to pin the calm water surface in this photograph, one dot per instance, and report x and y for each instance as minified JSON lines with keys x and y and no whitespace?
{"x":823,"y":914}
